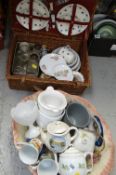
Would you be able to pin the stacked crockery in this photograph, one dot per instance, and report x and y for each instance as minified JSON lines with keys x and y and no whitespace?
{"x":73,"y":140}
{"x":63,"y":64}
{"x":72,"y":60}
{"x":51,"y":104}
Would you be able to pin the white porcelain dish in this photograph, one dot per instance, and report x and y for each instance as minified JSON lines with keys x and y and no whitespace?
{"x":65,"y":13}
{"x":63,"y":72}
{"x":39,"y":10}
{"x":76,"y":67}
{"x":49,"y":61}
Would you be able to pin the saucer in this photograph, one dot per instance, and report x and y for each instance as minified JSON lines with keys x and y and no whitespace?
{"x":65,"y":13}
{"x":76,"y":67}
{"x":49,"y":62}
{"x":39,"y":10}
{"x":63,"y":72}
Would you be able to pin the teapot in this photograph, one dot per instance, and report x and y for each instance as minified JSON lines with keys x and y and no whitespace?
{"x":57,"y":137}
{"x":74,"y":162}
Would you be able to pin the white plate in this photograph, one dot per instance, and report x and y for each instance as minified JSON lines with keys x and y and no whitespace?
{"x":63,"y":72}
{"x":76,"y":59}
{"x":39,"y":10}
{"x":76,"y":67}
{"x":49,"y":61}
{"x":65,"y":13}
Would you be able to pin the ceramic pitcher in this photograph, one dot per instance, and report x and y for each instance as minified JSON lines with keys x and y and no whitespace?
{"x":57,"y":137}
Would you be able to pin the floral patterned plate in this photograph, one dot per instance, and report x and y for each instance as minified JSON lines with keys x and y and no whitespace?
{"x":49,"y":61}
{"x":39,"y":10}
{"x":65,"y":13}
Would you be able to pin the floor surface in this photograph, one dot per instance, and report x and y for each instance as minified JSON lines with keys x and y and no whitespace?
{"x":102,"y":94}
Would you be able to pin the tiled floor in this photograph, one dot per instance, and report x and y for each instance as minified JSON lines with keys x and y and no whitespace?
{"x":102,"y":94}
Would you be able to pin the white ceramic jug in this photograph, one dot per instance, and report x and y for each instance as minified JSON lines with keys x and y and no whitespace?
{"x":57,"y":137}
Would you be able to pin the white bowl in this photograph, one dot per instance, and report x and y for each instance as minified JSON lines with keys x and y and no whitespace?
{"x":43,"y":120}
{"x":51,"y":100}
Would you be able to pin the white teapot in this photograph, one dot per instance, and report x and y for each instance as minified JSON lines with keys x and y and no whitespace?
{"x":73,"y":162}
{"x":57,"y":137}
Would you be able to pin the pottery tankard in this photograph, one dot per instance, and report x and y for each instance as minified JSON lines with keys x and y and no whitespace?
{"x":57,"y":137}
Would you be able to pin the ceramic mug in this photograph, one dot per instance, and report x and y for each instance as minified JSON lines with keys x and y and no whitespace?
{"x":44,"y":154}
{"x":47,"y":167}
{"x":29,"y":151}
{"x":75,"y":162}
{"x":77,"y":115}
{"x":58,"y":136}
{"x":85,"y":141}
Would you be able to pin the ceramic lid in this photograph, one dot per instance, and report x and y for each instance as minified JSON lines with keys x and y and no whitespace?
{"x":57,"y":127}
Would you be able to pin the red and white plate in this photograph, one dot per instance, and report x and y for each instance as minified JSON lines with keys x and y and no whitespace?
{"x":65,"y":13}
{"x":40,"y":14}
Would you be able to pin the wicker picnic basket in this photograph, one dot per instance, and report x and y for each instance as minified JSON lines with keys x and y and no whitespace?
{"x":52,"y":39}
{"x":104,"y":163}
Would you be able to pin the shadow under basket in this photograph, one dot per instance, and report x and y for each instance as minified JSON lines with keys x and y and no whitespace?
{"x":27,"y":82}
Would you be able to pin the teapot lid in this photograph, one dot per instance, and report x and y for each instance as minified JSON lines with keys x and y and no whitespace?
{"x":57,"y":127}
